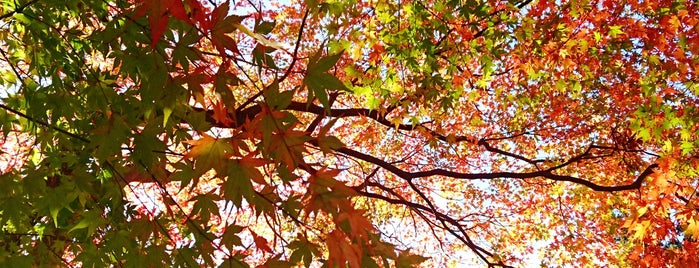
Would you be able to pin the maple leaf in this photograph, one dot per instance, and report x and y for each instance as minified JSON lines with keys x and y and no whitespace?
{"x":220,"y":114}
{"x":159,"y":12}
{"x":341,"y":252}
{"x":692,"y":228}
{"x":359,"y":225}
{"x":328,"y":194}
{"x":288,"y":146}
{"x":409,"y":260}
{"x":221,"y":26}
{"x":261,"y":243}
{"x":328,"y":143}
{"x":318,"y":80}
{"x":303,"y":251}
{"x":459,"y":113}
{"x":640,"y":230}
{"x":249,"y":163}
{"x":210,"y":152}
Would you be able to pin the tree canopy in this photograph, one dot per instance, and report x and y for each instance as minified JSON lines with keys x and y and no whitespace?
{"x":358,"y":133}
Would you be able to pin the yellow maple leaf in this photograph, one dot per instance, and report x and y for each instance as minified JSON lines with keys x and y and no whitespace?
{"x":640,"y":230}
{"x":209,"y":152}
{"x":692,"y":228}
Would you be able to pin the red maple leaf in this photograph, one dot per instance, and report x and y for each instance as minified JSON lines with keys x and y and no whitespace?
{"x":159,"y":12}
{"x":261,"y":243}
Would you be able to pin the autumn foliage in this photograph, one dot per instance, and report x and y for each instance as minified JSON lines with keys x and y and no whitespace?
{"x":187,"y":133}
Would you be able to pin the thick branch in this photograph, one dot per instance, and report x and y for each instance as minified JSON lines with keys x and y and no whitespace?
{"x":250,"y":113}
{"x":548,"y":174}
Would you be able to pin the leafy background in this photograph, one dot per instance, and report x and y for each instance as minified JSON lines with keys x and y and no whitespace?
{"x":348,"y":133}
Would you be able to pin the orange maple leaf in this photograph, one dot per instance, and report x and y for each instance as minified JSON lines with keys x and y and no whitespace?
{"x":341,"y":251}
{"x":359,"y":224}
{"x":221,"y":25}
{"x":221,"y":114}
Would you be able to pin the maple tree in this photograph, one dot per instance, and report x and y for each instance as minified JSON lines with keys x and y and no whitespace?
{"x":349,"y":133}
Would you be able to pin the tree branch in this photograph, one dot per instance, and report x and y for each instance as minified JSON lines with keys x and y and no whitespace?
{"x":250,"y":113}
{"x":548,"y":174}
{"x":25,"y":116}
{"x":17,"y":10}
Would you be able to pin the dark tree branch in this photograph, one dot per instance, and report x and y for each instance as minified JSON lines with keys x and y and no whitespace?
{"x":446,"y":220}
{"x":294,"y":57}
{"x":252,"y":111}
{"x":548,"y":174}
